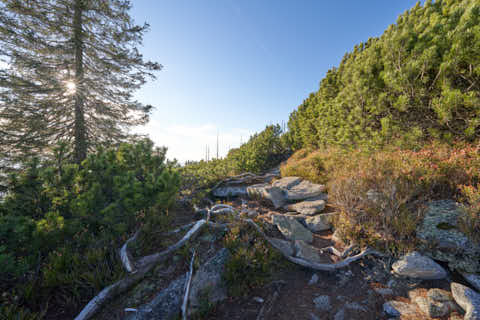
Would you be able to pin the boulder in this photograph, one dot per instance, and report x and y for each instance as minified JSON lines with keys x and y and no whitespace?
{"x":306,"y":252}
{"x":443,"y":241}
{"x":287,"y":182}
{"x":207,"y":282}
{"x":319,"y":222}
{"x":307,"y":207}
{"x":265,"y":191}
{"x":414,"y":265}
{"x":292,"y":229}
{"x":165,"y":305}
{"x":433,"y":308}
{"x":468,"y":299}
{"x":230,"y":191}
{"x":304,"y":190}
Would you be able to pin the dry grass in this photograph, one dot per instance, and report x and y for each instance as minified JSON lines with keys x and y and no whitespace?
{"x":380,"y":194}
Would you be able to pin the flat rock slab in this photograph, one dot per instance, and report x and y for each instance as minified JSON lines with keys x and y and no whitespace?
{"x":284,"y":246}
{"x":320,"y":222}
{"x":304,"y":190}
{"x":307,"y":252}
{"x":414,"y":265}
{"x":468,"y":299}
{"x":166,"y":305}
{"x":230,"y":191}
{"x":307,"y":207}
{"x":207,"y":282}
{"x":292,"y":229}
{"x":265,"y":191}
{"x":287,"y":182}
{"x":442,"y":240}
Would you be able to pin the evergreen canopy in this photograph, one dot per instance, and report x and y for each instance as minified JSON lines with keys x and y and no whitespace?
{"x":70,"y":68}
{"x":419,"y":80}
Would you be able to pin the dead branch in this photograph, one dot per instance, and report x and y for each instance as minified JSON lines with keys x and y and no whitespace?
{"x":187,"y":288}
{"x":125,"y":256}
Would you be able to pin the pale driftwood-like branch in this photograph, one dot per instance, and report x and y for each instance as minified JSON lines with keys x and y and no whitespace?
{"x":220,"y":206}
{"x":310,"y":264}
{"x":187,"y":288}
{"x":125,"y":255}
{"x":144,"y":266}
{"x":180,"y":229}
{"x":338,"y":253}
{"x":156,"y":257}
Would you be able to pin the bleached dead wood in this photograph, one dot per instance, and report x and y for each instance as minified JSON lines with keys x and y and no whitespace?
{"x":187,"y":288}
{"x":338,"y":253}
{"x":144,"y":265}
{"x":125,"y":256}
{"x":314,"y":265}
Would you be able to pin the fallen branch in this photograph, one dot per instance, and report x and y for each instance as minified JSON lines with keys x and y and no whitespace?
{"x":310,"y":264}
{"x":125,"y":255}
{"x":144,"y":265}
{"x":187,"y":288}
{"x":337,"y":253}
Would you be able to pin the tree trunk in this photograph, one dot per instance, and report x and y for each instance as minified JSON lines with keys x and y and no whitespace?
{"x":80,"y":134}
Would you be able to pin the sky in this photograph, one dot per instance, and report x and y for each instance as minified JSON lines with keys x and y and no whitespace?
{"x":234,"y":66}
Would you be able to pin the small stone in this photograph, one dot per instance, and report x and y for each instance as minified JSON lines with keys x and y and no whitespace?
{"x":473,"y":279}
{"x":313,"y":317}
{"x":355,"y":306}
{"x":258,"y":299}
{"x":468,"y":299}
{"x":384,"y":291}
{"x":252,"y":213}
{"x":398,"y":308}
{"x":340,"y":315}
{"x":414,"y":265}
{"x":322,"y":303}
{"x":439,"y":295}
{"x":313,"y":280}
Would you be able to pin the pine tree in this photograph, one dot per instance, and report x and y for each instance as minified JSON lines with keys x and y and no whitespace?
{"x":72,"y":67}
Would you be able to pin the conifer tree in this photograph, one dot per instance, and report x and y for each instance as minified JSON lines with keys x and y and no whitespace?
{"x":69,"y":71}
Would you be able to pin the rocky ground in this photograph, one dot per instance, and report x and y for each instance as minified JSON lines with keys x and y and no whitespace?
{"x":295,"y":217}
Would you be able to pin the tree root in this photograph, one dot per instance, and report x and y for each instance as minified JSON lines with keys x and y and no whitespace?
{"x":125,"y":256}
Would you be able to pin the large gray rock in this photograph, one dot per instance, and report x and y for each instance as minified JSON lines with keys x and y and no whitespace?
{"x":284,"y":246}
{"x":414,"y":265}
{"x":319,"y":222}
{"x":307,"y":207}
{"x":287,"y":182}
{"x":207,"y":282}
{"x":468,"y":299}
{"x":166,"y":305}
{"x":433,"y":308}
{"x":443,"y":241}
{"x":304,"y":190}
{"x":265,"y":191}
{"x":292,"y":229}
{"x":306,"y":251}
{"x":473,"y":279}
{"x":230,"y":191}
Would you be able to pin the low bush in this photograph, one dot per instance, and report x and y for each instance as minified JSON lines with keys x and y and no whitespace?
{"x":380,"y":193}
{"x":61,"y":224}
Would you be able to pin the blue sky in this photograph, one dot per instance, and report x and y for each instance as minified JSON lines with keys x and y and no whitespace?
{"x":234,"y":66}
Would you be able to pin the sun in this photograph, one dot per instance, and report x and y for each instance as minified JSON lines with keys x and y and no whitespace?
{"x":71,"y":86}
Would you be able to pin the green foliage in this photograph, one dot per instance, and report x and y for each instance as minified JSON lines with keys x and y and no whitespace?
{"x":252,"y":263}
{"x":61,"y":223}
{"x":419,"y":80}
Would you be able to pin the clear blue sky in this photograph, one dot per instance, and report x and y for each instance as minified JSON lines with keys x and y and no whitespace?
{"x":234,"y":66}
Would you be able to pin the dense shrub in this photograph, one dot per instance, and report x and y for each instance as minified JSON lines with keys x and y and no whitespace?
{"x":61,"y":223}
{"x":419,"y":80}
